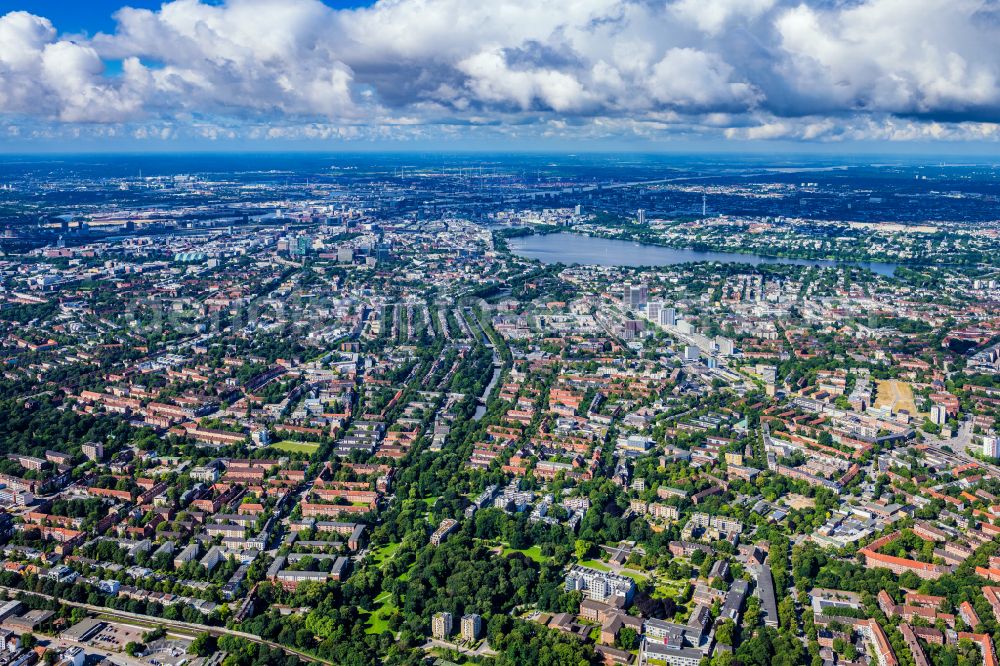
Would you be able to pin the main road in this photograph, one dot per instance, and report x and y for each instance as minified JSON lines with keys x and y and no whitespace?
{"x":174,"y":624}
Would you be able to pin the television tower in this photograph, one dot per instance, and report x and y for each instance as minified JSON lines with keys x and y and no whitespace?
{"x":704,"y":205}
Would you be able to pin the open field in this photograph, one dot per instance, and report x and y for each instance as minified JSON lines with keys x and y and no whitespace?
{"x":795,"y":501}
{"x":897,"y":396}
{"x":296,"y":447}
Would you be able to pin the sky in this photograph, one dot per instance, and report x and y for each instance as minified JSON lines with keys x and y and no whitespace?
{"x":512,"y":74}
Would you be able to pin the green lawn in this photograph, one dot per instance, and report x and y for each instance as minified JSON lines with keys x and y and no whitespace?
{"x":634,"y":575}
{"x":378,"y":621}
{"x":533,"y":553}
{"x":296,"y":447}
{"x":425,"y":504}
{"x":384,"y":553}
{"x":405,"y":576}
{"x":668,"y":589}
{"x":595,"y":564}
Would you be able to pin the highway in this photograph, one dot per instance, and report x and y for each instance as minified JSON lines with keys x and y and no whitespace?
{"x":174,"y":624}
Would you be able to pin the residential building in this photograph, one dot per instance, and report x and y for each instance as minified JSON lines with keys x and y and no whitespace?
{"x":441,"y":625}
{"x":600,"y":585}
{"x":471,"y":625}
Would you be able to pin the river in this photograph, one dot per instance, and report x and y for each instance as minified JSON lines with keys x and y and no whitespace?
{"x":485,"y":398}
{"x":569,"y":248}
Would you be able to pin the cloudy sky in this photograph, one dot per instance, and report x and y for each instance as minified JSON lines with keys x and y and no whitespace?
{"x":517,"y":73}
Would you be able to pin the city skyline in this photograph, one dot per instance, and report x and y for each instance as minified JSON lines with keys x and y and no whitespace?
{"x":499,"y":333}
{"x":714,"y":75}
{"x":506,"y":409}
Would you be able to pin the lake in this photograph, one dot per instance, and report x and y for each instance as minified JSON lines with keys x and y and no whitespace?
{"x":568,"y":248}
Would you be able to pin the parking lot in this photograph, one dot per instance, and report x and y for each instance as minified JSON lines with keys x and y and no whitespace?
{"x":114,"y":636}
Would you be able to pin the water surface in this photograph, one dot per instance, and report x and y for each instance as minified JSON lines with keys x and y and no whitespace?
{"x":569,"y":248}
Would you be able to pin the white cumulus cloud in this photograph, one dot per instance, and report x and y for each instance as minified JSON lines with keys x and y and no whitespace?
{"x":809,"y":69}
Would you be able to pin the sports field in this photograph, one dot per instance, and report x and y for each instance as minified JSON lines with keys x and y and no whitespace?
{"x":296,"y":447}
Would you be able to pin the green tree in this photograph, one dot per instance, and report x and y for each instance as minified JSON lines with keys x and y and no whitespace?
{"x":724,"y":632}
{"x":627,"y":638}
{"x":203,"y":645}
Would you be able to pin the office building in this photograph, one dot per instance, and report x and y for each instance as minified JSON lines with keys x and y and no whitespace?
{"x":653,"y":309}
{"x":635,"y":295}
